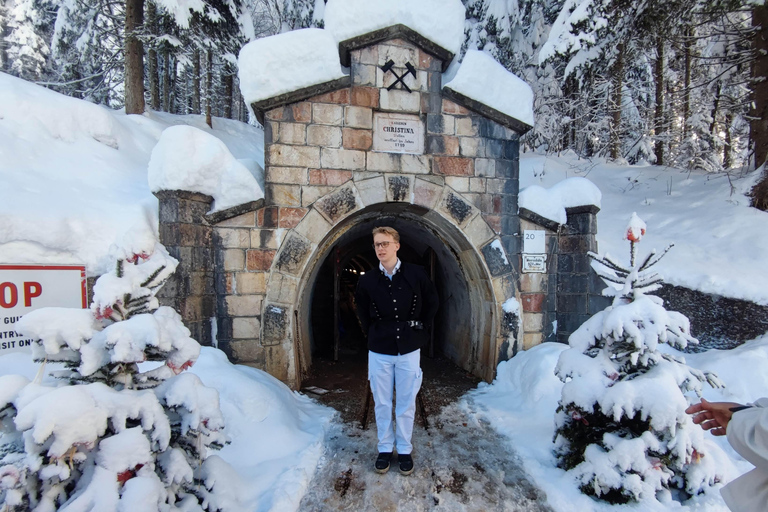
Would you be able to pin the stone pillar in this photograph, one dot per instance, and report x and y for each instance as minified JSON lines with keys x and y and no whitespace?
{"x":187,"y":235}
{"x":578,"y":286}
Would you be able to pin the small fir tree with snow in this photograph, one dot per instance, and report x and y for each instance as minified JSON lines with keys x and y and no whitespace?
{"x":621,"y":426}
{"x":113,"y":437}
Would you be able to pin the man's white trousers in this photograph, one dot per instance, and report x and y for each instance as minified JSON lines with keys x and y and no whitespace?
{"x":403,"y":374}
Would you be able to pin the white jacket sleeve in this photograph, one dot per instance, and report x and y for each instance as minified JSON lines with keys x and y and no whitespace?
{"x":748,"y":434}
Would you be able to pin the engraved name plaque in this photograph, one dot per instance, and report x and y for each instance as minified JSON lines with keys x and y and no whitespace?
{"x":398,"y":133}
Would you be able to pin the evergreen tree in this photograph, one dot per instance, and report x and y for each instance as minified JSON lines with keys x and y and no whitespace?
{"x":116,"y":437}
{"x":612,"y":432}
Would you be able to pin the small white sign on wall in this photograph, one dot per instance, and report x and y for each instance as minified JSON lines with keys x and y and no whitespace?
{"x":398,"y":133}
{"x":533,"y":241}
{"x":25,"y":288}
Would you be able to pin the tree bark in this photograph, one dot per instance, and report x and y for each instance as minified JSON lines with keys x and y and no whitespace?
{"x":134,"y":57}
{"x":228,"y":83}
{"x":152,"y":70}
{"x":658,"y":116}
{"x":727,"y":160}
{"x":758,"y":132}
{"x":618,"y":83}
{"x":196,"y":82}
{"x":166,"y":81}
{"x":687,"y":57}
{"x":715,"y":109}
{"x":4,"y":33}
{"x":209,"y":88}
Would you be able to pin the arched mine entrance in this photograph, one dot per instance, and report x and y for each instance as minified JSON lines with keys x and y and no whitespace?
{"x":334,"y":351}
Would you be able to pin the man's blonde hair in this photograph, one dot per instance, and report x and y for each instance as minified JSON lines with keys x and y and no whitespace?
{"x":386,"y":230}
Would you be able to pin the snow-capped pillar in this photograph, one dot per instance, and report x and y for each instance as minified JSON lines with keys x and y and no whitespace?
{"x":578,"y":286}
{"x":187,"y":235}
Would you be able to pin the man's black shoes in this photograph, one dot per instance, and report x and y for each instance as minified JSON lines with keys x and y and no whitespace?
{"x":382,"y":462}
{"x":406,"y":464}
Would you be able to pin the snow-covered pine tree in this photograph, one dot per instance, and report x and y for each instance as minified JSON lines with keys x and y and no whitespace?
{"x":113,"y":437}
{"x":621,"y":426}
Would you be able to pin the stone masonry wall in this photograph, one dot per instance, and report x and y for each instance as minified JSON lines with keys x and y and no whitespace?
{"x":315,"y":149}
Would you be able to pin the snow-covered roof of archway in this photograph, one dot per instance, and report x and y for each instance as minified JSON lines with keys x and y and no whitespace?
{"x":293,"y":66}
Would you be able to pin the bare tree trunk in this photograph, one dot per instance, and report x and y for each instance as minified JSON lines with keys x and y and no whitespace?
{"x":134,"y":57}
{"x":658,"y":117}
{"x":618,"y":83}
{"x":4,"y":33}
{"x":715,"y":109}
{"x":154,"y":79}
{"x":688,"y":57}
{"x":173,"y":81}
{"x":196,"y":82}
{"x":228,"y":82}
{"x":758,"y":129}
{"x":166,"y":81}
{"x":209,"y":88}
{"x":727,"y":161}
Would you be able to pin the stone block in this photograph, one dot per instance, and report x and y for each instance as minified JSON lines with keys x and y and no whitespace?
{"x":534,"y":282}
{"x":302,"y":112}
{"x":415,"y":164}
{"x":478,"y":231}
{"x":471,"y":147}
{"x":313,"y":227}
{"x":493,"y":185}
{"x":293,"y":156}
{"x":454,"y":166}
{"x":398,"y":54}
{"x":340,"y":96}
{"x":276,"y":114}
{"x":326,"y":136}
{"x":477,"y":185}
{"x":533,"y":322}
{"x":503,"y":288}
{"x":358,"y":117}
{"x":289,"y":175}
{"x":365,"y":97}
{"x":399,"y":101}
{"x":267,"y":217}
{"x":293,"y":254}
{"x":342,"y":159}
{"x":387,"y":162}
{"x":425,"y":60}
{"x":426,"y":193}
{"x":243,"y":305}
{"x":259,"y":259}
{"x":496,"y":259}
{"x":291,"y":133}
{"x":494,"y":222}
{"x":430,"y":102}
{"x":329,"y":177}
{"x":169,"y":234}
{"x":364,"y":75}
{"x":233,"y":238}
{"x":456,"y":208}
{"x":357,"y":139}
{"x":573,"y":244}
{"x":282,"y":288}
{"x":398,"y":188}
{"x":310,"y":194}
{"x":247,"y":351}
{"x":443,"y":145}
{"x":532,"y":339}
{"x":339,"y":204}
{"x":533,"y":302}
{"x":266,"y":238}
{"x":466,"y":127}
{"x":191,"y":308}
{"x":372,"y":191}
{"x":323,"y":113}
{"x":290,"y":217}
{"x":276,"y":323}
{"x":459,"y":184}
{"x":283,"y":195}
{"x":192,"y":211}
{"x":248,"y":283}
{"x":440,"y":124}
{"x":246,"y":220}
{"x":367,"y":55}
{"x":168,"y":209}
{"x":449,"y":107}
{"x":195,"y":235}
{"x":246,"y":327}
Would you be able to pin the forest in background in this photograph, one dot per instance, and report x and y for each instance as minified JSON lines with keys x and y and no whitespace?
{"x":682,"y":83}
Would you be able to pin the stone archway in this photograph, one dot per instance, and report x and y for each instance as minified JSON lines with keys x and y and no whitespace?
{"x":466,"y":329}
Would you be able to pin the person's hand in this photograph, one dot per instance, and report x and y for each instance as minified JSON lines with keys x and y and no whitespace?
{"x":712,"y":416}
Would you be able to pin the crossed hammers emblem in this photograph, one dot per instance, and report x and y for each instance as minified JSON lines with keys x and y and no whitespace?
{"x":410,"y":70}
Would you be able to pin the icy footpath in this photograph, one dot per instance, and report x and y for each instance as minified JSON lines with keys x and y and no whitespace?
{"x":462,"y":464}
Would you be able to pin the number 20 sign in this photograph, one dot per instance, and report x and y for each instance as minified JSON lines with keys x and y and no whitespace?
{"x":24,"y":288}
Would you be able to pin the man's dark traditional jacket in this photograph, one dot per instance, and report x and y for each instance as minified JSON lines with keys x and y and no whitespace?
{"x":385,"y":307}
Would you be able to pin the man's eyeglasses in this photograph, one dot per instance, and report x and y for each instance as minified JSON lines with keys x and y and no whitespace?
{"x":383,"y":245}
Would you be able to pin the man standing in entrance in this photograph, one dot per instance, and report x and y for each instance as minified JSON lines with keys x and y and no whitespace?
{"x":396,"y":306}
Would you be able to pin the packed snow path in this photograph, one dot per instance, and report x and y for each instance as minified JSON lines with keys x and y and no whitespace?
{"x":461,"y":465}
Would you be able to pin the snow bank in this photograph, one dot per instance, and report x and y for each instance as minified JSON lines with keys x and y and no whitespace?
{"x":440,"y":21}
{"x":482,"y":79}
{"x":74,"y":174}
{"x":287,"y":62}
{"x":551,"y":203}
{"x":186,"y":158}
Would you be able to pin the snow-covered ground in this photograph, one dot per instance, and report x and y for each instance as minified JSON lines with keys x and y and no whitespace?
{"x":73,"y":181}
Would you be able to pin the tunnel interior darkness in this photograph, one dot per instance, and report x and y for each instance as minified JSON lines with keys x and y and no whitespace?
{"x":352,"y":255}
